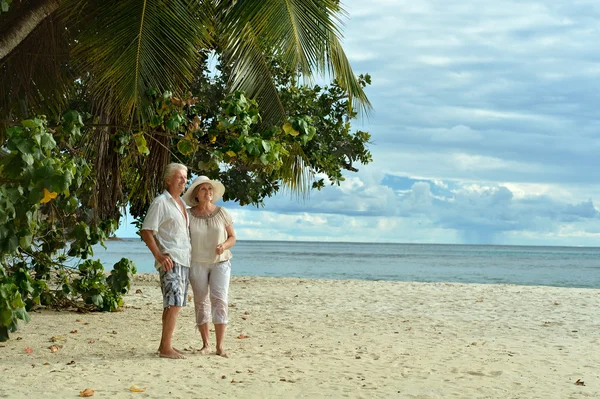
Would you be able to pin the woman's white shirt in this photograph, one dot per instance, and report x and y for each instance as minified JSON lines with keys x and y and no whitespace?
{"x":208,"y":231}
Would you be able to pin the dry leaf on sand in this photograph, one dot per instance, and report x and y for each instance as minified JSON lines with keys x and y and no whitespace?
{"x":86,"y":393}
{"x":579,"y":382}
{"x":135,"y":388}
{"x":242,"y":336}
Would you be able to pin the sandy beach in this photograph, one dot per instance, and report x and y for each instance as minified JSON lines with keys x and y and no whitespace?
{"x":323,"y":338}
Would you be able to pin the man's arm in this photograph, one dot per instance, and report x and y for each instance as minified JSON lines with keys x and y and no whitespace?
{"x":164,"y":260}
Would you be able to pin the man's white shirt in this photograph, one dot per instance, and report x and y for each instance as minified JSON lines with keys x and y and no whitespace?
{"x":170,"y":228}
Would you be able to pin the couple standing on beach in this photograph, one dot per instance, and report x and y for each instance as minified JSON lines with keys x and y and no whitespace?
{"x":191,"y":244}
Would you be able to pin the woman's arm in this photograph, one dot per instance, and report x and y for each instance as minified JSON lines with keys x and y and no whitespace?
{"x":229,"y":242}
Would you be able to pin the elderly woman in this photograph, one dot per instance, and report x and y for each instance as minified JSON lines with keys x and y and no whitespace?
{"x":212,"y":235}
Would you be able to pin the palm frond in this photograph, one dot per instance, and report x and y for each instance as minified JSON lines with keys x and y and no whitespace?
{"x":252,"y":75}
{"x":296,"y":173}
{"x":303,"y":33}
{"x":35,"y":76}
{"x":130,"y":46}
{"x":340,"y":67}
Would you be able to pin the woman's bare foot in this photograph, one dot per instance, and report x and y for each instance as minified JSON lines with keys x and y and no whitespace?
{"x":170,"y":353}
{"x":204,"y":350}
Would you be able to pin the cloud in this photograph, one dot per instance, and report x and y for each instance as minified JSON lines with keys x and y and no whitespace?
{"x":485,"y":129}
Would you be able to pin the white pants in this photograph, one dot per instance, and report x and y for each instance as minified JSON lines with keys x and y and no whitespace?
{"x":214,"y":278}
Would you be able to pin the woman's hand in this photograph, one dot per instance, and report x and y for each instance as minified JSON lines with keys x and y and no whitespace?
{"x":220,"y":249}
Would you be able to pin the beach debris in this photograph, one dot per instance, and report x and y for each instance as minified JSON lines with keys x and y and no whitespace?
{"x":135,"y":388}
{"x":282,"y":379}
{"x":223,"y":377}
{"x":232,"y":305}
{"x":53,"y":348}
{"x":115,"y":332}
{"x":246,"y":313}
{"x":250,"y":371}
{"x":78,"y":321}
{"x":244,"y":318}
{"x":86,"y":393}
{"x":74,"y":332}
{"x":138,"y":291}
{"x":580,"y":382}
{"x":233,"y":381}
{"x":190,"y":298}
{"x":355,"y":334}
{"x":46,"y":364}
{"x":71,"y":362}
{"x":357,"y":357}
{"x":556,"y":303}
{"x":479,"y":300}
{"x":57,"y":338}
{"x":243,"y":336}
{"x":19,"y":338}
{"x":92,"y":341}
{"x":573,"y":330}
{"x":28,"y":350}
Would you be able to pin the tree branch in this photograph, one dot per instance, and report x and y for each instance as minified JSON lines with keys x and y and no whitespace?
{"x":30,"y":17}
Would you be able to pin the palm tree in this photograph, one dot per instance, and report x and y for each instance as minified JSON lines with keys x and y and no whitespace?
{"x":122,"y":48}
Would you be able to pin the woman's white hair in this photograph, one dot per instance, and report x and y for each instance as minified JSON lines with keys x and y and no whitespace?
{"x":171,"y":168}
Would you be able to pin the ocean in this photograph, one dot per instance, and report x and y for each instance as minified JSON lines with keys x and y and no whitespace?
{"x":486,"y":264}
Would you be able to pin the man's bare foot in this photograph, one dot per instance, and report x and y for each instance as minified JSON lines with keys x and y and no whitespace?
{"x":171,"y":354}
{"x":175,"y":349}
{"x":221,"y":352}
{"x":204,"y":350}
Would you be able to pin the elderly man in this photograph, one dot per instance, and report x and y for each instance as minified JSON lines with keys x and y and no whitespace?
{"x":166,"y":233}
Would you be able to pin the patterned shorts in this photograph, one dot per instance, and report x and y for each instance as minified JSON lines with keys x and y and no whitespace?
{"x":174,"y":285}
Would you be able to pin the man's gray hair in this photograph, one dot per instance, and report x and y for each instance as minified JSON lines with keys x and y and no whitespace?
{"x":171,"y":168}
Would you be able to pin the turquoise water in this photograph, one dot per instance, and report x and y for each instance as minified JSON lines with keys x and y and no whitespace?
{"x":487,"y":264}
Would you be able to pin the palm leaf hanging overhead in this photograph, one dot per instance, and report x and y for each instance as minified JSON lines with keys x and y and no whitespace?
{"x":130,"y":46}
{"x":304,"y":33}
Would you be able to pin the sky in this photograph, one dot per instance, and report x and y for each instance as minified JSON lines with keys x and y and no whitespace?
{"x":485,"y":129}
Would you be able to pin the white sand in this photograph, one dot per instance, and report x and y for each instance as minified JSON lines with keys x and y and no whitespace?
{"x":321,"y":338}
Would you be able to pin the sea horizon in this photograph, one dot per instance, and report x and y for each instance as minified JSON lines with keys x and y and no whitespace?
{"x":115,"y":238}
{"x":559,"y":266}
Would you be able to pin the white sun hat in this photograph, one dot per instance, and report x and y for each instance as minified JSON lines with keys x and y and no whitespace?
{"x":218,"y":190}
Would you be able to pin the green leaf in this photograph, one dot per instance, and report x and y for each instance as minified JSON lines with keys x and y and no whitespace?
{"x":13,"y":244}
{"x":25,"y":241}
{"x":172,"y":125}
{"x":27,"y":158}
{"x":185,"y":146}
{"x":266,"y":146}
{"x":31,"y":123}
{"x":5,"y":316}
{"x":140,"y":142}
{"x":47,"y":142}
{"x":97,"y":300}
{"x":288,"y":129}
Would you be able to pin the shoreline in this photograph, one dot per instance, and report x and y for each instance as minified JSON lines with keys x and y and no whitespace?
{"x":319,"y":338}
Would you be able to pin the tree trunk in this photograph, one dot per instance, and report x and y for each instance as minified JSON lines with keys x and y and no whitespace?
{"x":30,"y":17}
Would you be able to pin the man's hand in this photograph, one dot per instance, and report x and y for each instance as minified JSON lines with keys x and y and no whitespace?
{"x":165,"y":261}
